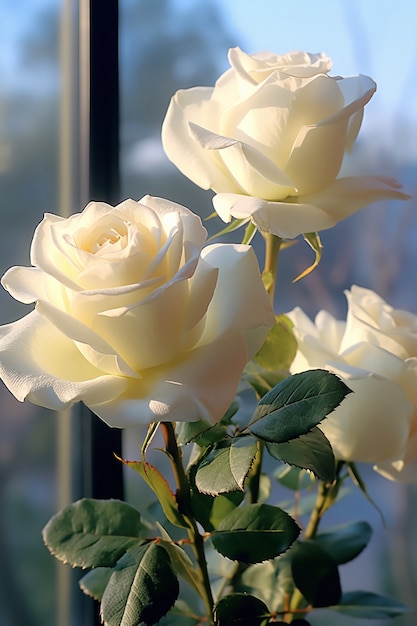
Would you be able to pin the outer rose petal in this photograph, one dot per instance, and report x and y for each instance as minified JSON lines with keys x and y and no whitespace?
{"x":40,"y":364}
{"x":405,"y":469}
{"x":249,"y":168}
{"x":203,"y":167}
{"x":371,"y":319}
{"x":200,"y":387}
{"x":319,"y":147}
{"x":372,"y":423}
{"x":347,"y":195}
{"x":310,"y":213}
{"x":25,"y":284}
{"x":285,"y":219}
{"x":318,"y":343}
{"x":240,"y":302}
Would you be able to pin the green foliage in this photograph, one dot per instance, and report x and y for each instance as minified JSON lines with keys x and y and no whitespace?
{"x":255,"y":533}
{"x":201,"y":432}
{"x":183,"y":566}
{"x":210,"y":510}
{"x":293,"y":477}
{"x":280,"y":346}
{"x":296,"y":405}
{"x":311,"y":451}
{"x":240,"y":609}
{"x":230,"y":228}
{"x":270,"y":581}
{"x":368,"y":605}
{"x":95,"y":581}
{"x":313,"y":240}
{"x":136,"y":578}
{"x":345,"y":542}
{"x":260,"y":379}
{"x":226,"y":466}
{"x":160,"y":487}
{"x":141,"y":589}
{"x":93,"y":533}
{"x":181,"y":615}
{"x":315,"y":574}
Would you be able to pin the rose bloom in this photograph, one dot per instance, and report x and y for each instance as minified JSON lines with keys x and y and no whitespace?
{"x":133,"y":316}
{"x":375,"y":352}
{"x":269,"y":139}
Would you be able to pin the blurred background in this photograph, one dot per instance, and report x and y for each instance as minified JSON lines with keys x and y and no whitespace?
{"x":165,"y":45}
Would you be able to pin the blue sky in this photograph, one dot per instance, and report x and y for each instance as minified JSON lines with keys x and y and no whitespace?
{"x":374,"y":37}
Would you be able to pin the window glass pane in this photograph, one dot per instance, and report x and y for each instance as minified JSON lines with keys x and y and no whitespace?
{"x":171,"y":45}
{"x":29,"y":97}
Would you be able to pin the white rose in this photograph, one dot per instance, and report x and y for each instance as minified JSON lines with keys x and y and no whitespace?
{"x":132,"y":316}
{"x":374,"y":351}
{"x":269,"y":139}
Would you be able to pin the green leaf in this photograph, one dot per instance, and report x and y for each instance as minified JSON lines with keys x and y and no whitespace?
{"x":255,"y":533}
{"x":314,"y":242}
{"x":93,"y":533}
{"x":250,"y":232}
{"x":345,"y":542}
{"x":293,"y":477}
{"x":230,"y":228}
{"x":357,"y":480}
{"x":201,"y":432}
{"x":150,"y":435}
{"x":183,"y":565}
{"x":225,"y":468}
{"x":270,"y":581}
{"x":181,"y":615}
{"x":311,"y":451}
{"x":315,"y":574}
{"x":369,"y":605}
{"x":280,"y":346}
{"x":297,"y":404}
{"x":241,"y":609}
{"x":160,"y":487}
{"x":142,"y":588}
{"x":95,"y":581}
{"x":209,"y":511}
{"x":260,"y":379}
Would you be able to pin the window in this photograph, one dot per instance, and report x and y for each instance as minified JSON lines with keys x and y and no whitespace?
{"x":52,"y":159}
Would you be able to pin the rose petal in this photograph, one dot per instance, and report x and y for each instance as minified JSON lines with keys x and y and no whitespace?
{"x":25,"y":284}
{"x":347,"y":195}
{"x":251,"y":170}
{"x":41,"y":364}
{"x":284,"y":219}
{"x":366,"y":416}
{"x":319,"y":147}
{"x":200,"y":387}
{"x":240,"y":302}
{"x":203,"y":167}
{"x":372,"y":320}
{"x":95,"y":349}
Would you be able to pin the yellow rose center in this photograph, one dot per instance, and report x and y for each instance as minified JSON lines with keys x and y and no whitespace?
{"x":110,"y":237}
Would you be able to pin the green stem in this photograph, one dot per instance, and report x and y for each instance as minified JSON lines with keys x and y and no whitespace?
{"x":320,"y":507}
{"x":255,"y":475}
{"x":184,"y":501}
{"x":272,"y":248}
{"x":325,"y":497}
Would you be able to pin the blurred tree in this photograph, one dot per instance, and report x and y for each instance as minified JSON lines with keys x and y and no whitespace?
{"x":165,"y":46}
